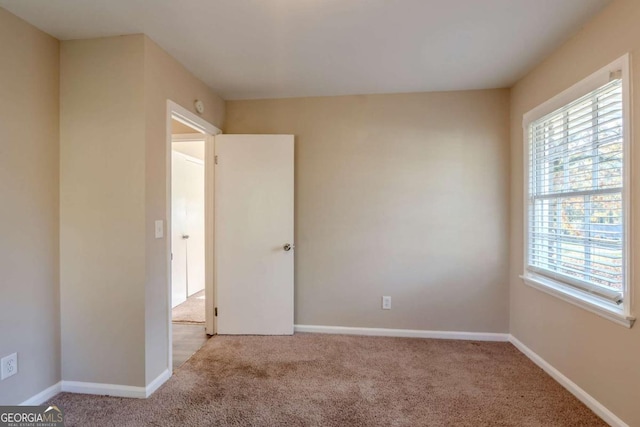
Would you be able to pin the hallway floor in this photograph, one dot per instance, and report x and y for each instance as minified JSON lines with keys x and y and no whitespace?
{"x":190,"y":311}
{"x":187,"y":339}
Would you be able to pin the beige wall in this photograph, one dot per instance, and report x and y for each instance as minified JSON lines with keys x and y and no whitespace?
{"x":601,"y":357}
{"x":102,"y":210}
{"x":29,"y":150}
{"x":164,"y":78}
{"x":114,"y":278}
{"x":177,"y":128}
{"x":403,"y":195}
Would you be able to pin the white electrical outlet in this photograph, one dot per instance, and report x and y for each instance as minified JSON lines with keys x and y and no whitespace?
{"x":386,"y":303}
{"x":8,"y":366}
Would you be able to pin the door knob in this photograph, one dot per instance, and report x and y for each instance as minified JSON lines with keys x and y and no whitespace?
{"x":185,"y":236}
{"x":287,"y":247}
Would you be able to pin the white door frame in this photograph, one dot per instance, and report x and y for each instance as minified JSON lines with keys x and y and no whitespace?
{"x":184,"y":116}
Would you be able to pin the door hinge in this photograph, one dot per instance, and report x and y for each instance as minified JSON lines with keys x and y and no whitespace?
{"x":216,"y":311}
{"x":215,"y":159}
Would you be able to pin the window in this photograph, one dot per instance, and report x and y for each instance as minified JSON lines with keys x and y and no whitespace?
{"x":577,"y":195}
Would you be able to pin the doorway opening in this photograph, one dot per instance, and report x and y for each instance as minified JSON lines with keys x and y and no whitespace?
{"x":190,"y":233}
{"x":187,"y":241}
{"x":248,"y":283}
{"x":187,"y":226}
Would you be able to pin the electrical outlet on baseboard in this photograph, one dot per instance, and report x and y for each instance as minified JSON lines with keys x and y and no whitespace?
{"x":8,"y":366}
{"x":386,"y":303}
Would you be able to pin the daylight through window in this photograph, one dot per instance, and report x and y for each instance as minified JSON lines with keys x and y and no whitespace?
{"x":576,"y":213}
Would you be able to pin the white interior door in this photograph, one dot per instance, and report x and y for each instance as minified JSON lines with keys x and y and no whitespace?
{"x":187,"y":225}
{"x":253,"y":224}
{"x":195,"y":224}
{"x":179,"y":191}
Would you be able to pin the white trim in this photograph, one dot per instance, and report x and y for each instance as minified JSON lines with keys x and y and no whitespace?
{"x":155,"y":384}
{"x":188,"y":137}
{"x":100,"y":389}
{"x":44,"y":395}
{"x":627,"y":107}
{"x":583,"y":87}
{"x":599,"y":78}
{"x":184,"y":116}
{"x":597,"y":407}
{"x":211,"y":322}
{"x":406,"y":333}
{"x":580,"y":299}
{"x":190,"y":119}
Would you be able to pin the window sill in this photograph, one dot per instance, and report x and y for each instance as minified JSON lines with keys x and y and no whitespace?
{"x":579,"y":299}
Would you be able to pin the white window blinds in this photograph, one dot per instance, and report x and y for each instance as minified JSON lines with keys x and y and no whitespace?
{"x":576,"y":215}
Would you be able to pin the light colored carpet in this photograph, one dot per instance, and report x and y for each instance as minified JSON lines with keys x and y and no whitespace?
{"x":190,"y":311}
{"x":330,"y":380}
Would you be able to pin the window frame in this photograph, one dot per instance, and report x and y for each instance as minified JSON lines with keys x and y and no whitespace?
{"x":559,"y":287}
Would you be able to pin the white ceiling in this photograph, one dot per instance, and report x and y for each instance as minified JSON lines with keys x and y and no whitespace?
{"x":288,"y":48}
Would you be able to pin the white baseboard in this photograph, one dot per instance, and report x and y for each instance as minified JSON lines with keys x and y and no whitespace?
{"x":116,"y":390}
{"x":597,"y":407}
{"x":155,"y":384}
{"x":101,"y":389}
{"x":407,"y":333}
{"x":44,"y":395}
